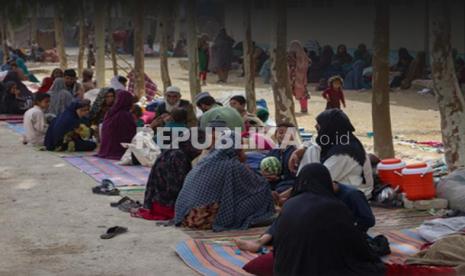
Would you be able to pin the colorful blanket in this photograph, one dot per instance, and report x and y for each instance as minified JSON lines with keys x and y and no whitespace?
{"x":219,"y":257}
{"x":99,"y":169}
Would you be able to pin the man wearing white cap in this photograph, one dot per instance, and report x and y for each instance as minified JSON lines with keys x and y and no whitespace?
{"x":173,"y":101}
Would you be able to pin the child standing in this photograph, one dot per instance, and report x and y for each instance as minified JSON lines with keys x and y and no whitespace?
{"x":34,"y":121}
{"x":204,"y":56}
{"x":334,"y":94}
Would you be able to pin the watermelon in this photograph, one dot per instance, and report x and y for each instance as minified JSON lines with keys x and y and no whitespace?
{"x":271,"y":165}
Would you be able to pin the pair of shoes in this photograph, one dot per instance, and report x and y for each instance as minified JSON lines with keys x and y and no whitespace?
{"x":304,"y":111}
{"x":113,"y":232}
{"x":106,"y":188}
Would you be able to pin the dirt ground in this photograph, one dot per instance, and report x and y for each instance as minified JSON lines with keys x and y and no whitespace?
{"x":51,"y":222}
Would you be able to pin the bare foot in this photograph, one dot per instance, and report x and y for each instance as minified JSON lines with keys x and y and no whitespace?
{"x":250,"y":246}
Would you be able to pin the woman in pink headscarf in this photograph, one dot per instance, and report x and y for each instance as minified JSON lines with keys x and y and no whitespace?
{"x":298,"y":63}
{"x":118,"y":127}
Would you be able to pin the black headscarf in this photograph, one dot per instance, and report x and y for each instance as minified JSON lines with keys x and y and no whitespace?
{"x":13,"y":76}
{"x":314,"y":178}
{"x":335,"y":130}
{"x":315,"y":233}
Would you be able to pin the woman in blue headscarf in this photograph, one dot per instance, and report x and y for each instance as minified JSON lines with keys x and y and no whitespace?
{"x":66,"y":133}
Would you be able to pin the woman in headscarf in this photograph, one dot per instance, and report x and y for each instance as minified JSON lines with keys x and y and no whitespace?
{"x":48,"y":81}
{"x":315,"y":233}
{"x":402,"y":66}
{"x":362,"y":54}
{"x":118,"y":83}
{"x":222,"y":54}
{"x":339,"y":150}
{"x":11,"y":101}
{"x":118,"y":127}
{"x":66,"y":133}
{"x":342,"y":57}
{"x":102,"y":104}
{"x":22,"y":65}
{"x":298,"y":63}
{"x":14,"y":77}
{"x":165,"y":182}
{"x":60,"y":98}
{"x":221,"y":193}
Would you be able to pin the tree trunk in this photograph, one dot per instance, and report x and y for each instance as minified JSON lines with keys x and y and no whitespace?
{"x":33,"y":25}
{"x":284,"y":104}
{"x":139,"y":86}
{"x":192,"y":47}
{"x":426,"y":46}
{"x":11,"y":34}
{"x":100,"y":12}
{"x":450,"y":98}
{"x":82,"y":40}
{"x":6,"y":52}
{"x":249,"y":61}
{"x":59,"y":37}
{"x":380,"y":111}
{"x":114,"y":61}
{"x":177,"y":19}
{"x":165,"y":16}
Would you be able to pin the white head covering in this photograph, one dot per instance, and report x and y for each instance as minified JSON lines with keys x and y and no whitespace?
{"x":115,"y":84}
{"x":173,"y":89}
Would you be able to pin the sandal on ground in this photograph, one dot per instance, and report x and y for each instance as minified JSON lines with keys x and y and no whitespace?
{"x":113,"y":232}
{"x":128,"y":205}
{"x":119,"y":202}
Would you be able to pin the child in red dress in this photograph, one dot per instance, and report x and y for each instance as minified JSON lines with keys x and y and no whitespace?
{"x":334,"y":94}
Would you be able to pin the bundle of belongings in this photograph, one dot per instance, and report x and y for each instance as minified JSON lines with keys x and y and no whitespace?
{"x":446,"y":244}
{"x":142,"y":150}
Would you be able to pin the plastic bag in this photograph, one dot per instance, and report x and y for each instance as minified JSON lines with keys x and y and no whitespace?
{"x":142,"y":147}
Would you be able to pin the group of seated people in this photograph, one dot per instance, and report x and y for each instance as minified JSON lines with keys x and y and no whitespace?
{"x":320,"y":191}
{"x":319,"y":188}
{"x":356,"y":69}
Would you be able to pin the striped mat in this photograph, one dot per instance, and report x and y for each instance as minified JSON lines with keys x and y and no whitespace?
{"x":99,"y":169}
{"x":9,"y":118}
{"x":218,"y":257}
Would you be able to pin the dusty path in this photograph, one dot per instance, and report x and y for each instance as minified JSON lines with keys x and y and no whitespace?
{"x":51,"y":223}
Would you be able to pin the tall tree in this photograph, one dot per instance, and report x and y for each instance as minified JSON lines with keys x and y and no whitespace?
{"x":33,"y":22}
{"x":380,"y":112}
{"x":82,"y":37}
{"x":165,"y":17}
{"x":426,"y":22}
{"x":139,"y":74}
{"x":4,"y":33}
{"x":284,"y":104}
{"x":114,"y":61}
{"x":249,"y":61}
{"x":99,"y":23}
{"x":450,"y":98}
{"x":59,"y":36}
{"x":192,"y":47}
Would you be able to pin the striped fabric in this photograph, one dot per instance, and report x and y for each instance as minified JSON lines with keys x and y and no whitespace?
{"x":100,"y":169}
{"x":218,"y":257}
{"x":151,"y":88}
{"x":11,"y":118}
